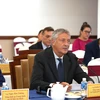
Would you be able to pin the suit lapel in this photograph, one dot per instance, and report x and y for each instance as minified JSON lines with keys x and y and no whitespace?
{"x":51,"y":62}
{"x":67,"y":65}
{"x":97,"y":47}
{"x":40,"y":45}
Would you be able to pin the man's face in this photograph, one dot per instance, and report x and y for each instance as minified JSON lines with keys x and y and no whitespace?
{"x":61,"y":44}
{"x":46,"y":38}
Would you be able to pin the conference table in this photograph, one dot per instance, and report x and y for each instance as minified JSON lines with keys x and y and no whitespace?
{"x":33,"y":95}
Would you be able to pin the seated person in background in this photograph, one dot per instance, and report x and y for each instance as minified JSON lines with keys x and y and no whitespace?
{"x":46,"y":39}
{"x":83,"y":39}
{"x":92,"y":49}
{"x":40,"y":35}
{"x":2,"y":79}
{"x":56,"y":64}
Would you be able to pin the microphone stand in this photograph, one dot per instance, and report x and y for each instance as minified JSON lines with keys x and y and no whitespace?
{"x":90,"y":70}
{"x":94,"y":74}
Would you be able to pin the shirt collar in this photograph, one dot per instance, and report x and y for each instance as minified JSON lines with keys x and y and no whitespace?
{"x":57,"y":56}
{"x":44,"y":46}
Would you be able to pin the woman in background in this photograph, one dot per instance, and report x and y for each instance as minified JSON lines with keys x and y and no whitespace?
{"x":83,"y":39}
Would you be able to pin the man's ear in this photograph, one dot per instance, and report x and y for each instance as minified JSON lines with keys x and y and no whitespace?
{"x":53,"y":42}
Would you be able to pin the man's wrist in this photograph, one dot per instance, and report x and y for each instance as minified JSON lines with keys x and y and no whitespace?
{"x":90,"y":82}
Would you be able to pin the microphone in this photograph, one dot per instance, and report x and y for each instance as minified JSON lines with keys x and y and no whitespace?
{"x":39,"y":91}
{"x":82,"y":64}
{"x":22,"y":43}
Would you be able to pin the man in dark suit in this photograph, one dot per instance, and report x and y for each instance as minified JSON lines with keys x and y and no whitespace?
{"x":46,"y":65}
{"x":40,"y":35}
{"x":92,"y":49}
{"x":46,"y":39}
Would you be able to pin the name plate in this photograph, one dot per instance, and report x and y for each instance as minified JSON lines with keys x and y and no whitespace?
{"x":15,"y":94}
{"x":5,"y":68}
{"x":93,"y":90}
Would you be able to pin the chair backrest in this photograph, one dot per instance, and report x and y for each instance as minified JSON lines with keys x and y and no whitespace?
{"x":70,"y":47}
{"x":79,"y":53}
{"x":0,"y":49}
{"x":31,"y":63}
{"x":25,"y":46}
{"x":19,"y":39}
{"x":94,"y":67}
{"x":21,"y":46}
{"x":18,"y":76}
{"x":23,"y":72}
{"x":21,"y":68}
{"x":16,"y":41}
{"x":32,"y":40}
{"x":16,"y":48}
{"x":94,"y":62}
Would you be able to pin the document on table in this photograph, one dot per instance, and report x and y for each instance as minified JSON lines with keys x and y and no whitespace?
{"x":76,"y":87}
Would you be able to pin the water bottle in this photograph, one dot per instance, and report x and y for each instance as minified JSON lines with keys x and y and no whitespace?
{"x":4,"y":86}
{"x":84,"y":86}
{"x":1,"y":57}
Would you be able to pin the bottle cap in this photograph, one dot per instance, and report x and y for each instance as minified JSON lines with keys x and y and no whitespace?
{"x":92,"y":58}
{"x":84,"y":79}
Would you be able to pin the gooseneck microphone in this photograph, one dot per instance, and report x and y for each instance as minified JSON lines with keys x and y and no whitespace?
{"x":39,"y":91}
{"x":92,"y":71}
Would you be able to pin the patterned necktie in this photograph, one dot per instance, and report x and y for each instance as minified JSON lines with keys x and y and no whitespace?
{"x":60,"y":70}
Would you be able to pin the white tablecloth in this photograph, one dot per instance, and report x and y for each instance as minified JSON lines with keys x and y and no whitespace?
{"x":8,"y":80}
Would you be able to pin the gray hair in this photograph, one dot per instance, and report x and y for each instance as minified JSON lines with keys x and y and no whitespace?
{"x":59,"y":31}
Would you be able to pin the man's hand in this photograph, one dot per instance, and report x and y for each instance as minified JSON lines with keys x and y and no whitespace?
{"x":66,"y":84}
{"x":90,"y":82}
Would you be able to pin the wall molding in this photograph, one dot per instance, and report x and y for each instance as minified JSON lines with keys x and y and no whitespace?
{"x":27,"y":37}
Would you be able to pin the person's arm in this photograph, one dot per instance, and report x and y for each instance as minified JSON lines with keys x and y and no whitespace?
{"x":88,"y":55}
{"x":37,"y":74}
{"x":2,"y":79}
{"x":79,"y":74}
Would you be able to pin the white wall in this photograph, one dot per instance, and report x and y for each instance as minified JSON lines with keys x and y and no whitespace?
{"x":27,"y":17}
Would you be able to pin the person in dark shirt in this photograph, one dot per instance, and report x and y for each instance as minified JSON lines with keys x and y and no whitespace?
{"x":92,"y":49}
{"x":57,"y":64}
{"x":46,"y":39}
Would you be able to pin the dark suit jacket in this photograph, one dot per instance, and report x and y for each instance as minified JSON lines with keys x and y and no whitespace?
{"x":91,"y":50}
{"x":1,"y":78}
{"x":38,"y":45}
{"x":45,"y":72}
